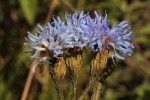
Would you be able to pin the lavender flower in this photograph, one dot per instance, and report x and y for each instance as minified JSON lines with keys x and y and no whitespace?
{"x":119,"y":37}
{"x":80,"y":31}
{"x":101,"y":35}
{"x":75,"y":24}
{"x":55,"y":37}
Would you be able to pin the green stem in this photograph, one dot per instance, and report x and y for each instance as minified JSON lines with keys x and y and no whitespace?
{"x":92,"y":83}
{"x":58,"y":86}
{"x":74,"y":83}
{"x":96,"y":91}
{"x":87,"y":90}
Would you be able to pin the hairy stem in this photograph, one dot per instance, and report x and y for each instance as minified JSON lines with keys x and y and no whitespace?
{"x":91,"y":84}
{"x":74,"y":84}
{"x":58,"y":86}
{"x":97,"y":91}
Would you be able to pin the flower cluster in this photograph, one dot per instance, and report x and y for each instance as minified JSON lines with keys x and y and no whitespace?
{"x":80,"y":30}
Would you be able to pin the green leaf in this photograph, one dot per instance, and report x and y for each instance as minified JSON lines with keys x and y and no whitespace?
{"x":29,"y":9}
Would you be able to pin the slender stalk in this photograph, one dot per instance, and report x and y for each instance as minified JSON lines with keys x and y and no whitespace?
{"x":27,"y":85}
{"x":91,"y":84}
{"x":58,"y":86}
{"x":97,"y":91}
{"x":85,"y":92}
{"x":30,"y":74}
{"x":28,"y":81}
{"x":74,"y":84}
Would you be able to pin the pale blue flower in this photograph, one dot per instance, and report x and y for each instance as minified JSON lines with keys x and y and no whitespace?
{"x":80,"y":30}
{"x":57,"y":36}
{"x":119,"y":37}
{"x":102,"y":36}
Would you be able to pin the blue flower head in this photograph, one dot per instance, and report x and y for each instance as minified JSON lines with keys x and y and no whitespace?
{"x":53,"y":38}
{"x":101,"y":35}
{"x":80,"y":30}
{"x":56,"y":36}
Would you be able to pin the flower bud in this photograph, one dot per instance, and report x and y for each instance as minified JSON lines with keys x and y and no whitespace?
{"x":74,"y":61}
{"x":99,"y":62}
{"x":58,"y":69}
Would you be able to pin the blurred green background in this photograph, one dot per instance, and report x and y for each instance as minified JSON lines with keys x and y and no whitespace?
{"x":131,"y":79}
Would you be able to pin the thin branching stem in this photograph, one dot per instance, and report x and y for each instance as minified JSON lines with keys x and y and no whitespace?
{"x":58,"y":86}
{"x":97,"y":91}
{"x":87,"y":90}
{"x":74,"y":84}
{"x":91,"y":84}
